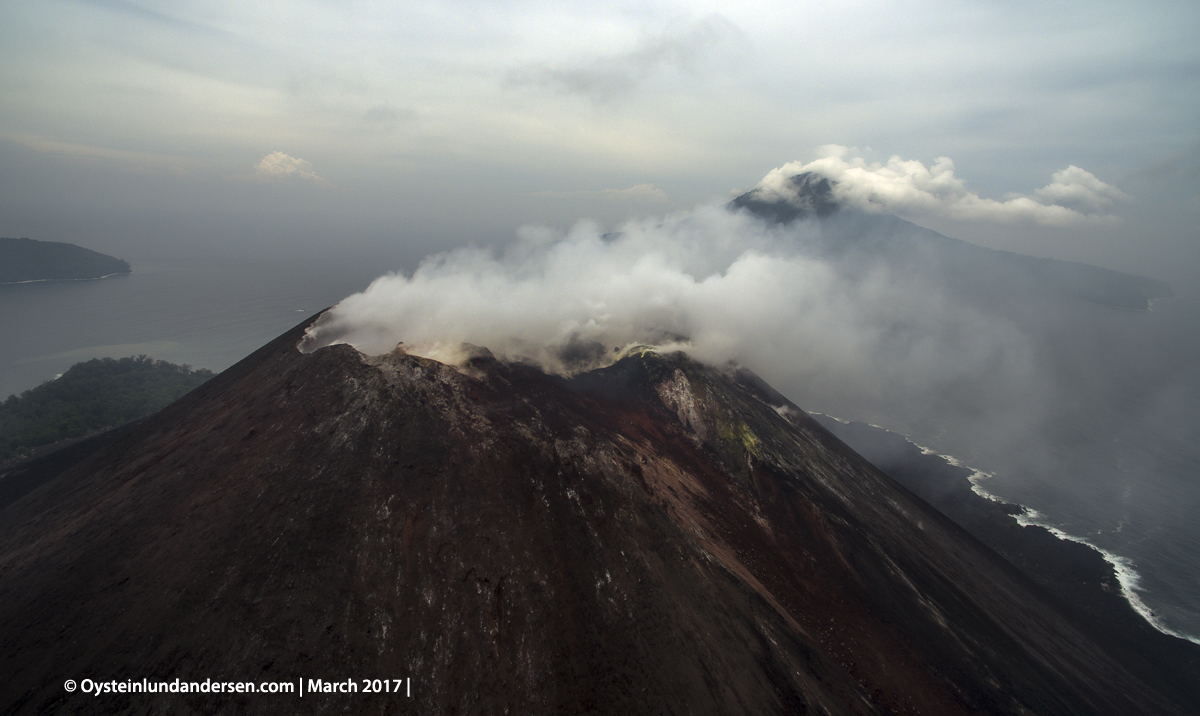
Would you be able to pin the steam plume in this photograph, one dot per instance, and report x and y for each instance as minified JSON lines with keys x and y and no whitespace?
{"x":722,"y":285}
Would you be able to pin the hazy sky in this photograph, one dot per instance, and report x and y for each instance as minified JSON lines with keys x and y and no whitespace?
{"x":388,"y":130}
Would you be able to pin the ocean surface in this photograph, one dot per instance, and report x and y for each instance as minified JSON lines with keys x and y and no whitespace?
{"x":207,"y":313}
{"x":1122,"y":470}
{"x":1111,"y":461}
{"x":1132,"y":489}
{"x":1132,"y":585}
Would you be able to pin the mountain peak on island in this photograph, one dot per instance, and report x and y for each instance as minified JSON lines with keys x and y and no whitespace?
{"x":653,"y":536}
{"x":801,"y":196}
{"x":975,"y":273}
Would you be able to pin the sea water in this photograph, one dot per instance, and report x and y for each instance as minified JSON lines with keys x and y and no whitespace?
{"x":205,"y":312}
{"x":1113,"y":461}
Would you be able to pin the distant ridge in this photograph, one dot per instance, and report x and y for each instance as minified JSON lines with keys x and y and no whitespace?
{"x":29,"y":260}
{"x":972,"y":271}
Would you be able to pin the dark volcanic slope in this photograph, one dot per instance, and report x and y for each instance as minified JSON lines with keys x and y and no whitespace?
{"x":655,"y":537}
{"x":29,"y":260}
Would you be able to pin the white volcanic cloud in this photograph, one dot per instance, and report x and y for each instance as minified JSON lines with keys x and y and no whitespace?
{"x":722,"y":285}
{"x":908,"y":187}
{"x":278,"y":165}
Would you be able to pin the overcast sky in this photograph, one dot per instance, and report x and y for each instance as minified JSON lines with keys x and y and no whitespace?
{"x":394,"y":129}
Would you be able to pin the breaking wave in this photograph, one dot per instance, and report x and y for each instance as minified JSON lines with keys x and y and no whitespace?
{"x":1123,"y":567}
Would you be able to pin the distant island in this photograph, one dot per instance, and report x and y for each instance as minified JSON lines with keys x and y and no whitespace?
{"x":91,"y":396}
{"x":24,"y":260}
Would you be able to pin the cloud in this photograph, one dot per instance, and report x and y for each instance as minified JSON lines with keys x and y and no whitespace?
{"x":908,"y":187}
{"x":278,"y":165}
{"x":125,"y":8}
{"x":640,"y":192}
{"x":1079,"y":189}
{"x":722,"y":285}
{"x":387,"y":115}
{"x":690,"y":49}
{"x":131,"y":161}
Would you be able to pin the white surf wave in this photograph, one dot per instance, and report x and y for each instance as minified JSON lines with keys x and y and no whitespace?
{"x":45,"y":280}
{"x":1124,"y":568}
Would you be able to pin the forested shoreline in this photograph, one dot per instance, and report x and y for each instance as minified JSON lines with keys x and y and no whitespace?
{"x":91,"y":396}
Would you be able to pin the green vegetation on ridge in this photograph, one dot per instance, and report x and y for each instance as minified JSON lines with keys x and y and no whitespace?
{"x":93,"y":395}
